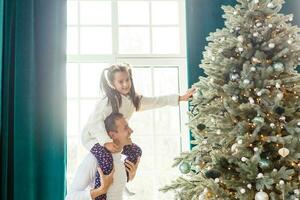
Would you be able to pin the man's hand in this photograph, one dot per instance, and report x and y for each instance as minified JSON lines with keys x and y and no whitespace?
{"x":131,"y":168}
{"x":105,"y":180}
{"x":112,"y":147}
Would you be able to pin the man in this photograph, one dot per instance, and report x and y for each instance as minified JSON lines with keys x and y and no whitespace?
{"x":114,"y":183}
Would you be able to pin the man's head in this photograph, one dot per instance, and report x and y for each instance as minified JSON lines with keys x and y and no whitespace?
{"x":117,"y":128}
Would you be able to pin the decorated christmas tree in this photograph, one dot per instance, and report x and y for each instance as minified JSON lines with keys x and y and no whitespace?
{"x":245,"y":116}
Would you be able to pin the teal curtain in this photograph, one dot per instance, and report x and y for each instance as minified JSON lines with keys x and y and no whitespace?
{"x":205,"y":16}
{"x":33,"y":99}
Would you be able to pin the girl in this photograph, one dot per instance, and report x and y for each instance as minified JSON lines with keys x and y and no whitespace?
{"x":120,"y":96}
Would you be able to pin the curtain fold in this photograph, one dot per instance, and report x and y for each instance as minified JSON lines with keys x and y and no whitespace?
{"x":33,"y":99}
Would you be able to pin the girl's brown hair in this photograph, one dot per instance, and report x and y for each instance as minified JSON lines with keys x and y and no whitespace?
{"x":114,"y":97}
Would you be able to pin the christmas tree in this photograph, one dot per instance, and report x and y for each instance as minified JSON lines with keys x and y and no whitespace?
{"x":245,"y":116}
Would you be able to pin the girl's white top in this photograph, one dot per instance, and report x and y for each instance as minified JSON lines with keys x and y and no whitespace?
{"x":94,"y":130}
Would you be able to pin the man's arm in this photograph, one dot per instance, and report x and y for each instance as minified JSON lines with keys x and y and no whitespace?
{"x":84,"y":177}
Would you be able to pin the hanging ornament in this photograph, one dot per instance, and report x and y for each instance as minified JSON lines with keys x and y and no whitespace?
{"x":244,"y":159}
{"x":289,"y":41}
{"x":259,"y":93}
{"x":291,"y":18}
{"x":283,"y":152}
{"x":235,"y":98}
{"x":234,"y":76}
{"x":261,"y":196}
{"x":242,"y":190}
{"x":297,"y":191}
{"x":240,"y":38}
{"x":258,"y":120}
{"x":234,"y":147}
{"x":251,"y":100}
{"x":260,"y":175}
{"x":297,"y":129}
{"x":282,"y":118}
{"x":279,"y":95}
{"x":240,"y":142}
{"x":255,"y":34}
{"x":259,"y":24}
{"x":270,"y":5}
{"x":272,"y":125}
{"x":235,"y":12}
{"x":277,"y":85}
{"x":270,"y":25}
{"x":185,"y":167}
{"x":255,"y":149}
{"x":256,"y":1}
{"x":218,"y":132}
{"x":264,"y":164}
{"x":281,"y":182}
{"x":217,"y":180}
{"x":252,"y":69}
{"x":279,"y":110}
{"x":278,"y":67}
{"x":271,"y":45}
{"x":255,"y":60}
{"x":241,"y":49}
{"x":246,"y":81}
{"x":212,"y":173}
{"x":249,"y":186}
{"x":201,"y":127}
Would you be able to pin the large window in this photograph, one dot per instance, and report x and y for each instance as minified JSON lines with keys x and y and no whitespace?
{"x":149,"y":35}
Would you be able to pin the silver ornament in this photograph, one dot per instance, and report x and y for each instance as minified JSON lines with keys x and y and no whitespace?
{"x":255,"y":34}
{"x":234,"y":77}
{"x":283,"y":152}
{"x":246,"y":81}
{"x":278,"y":67}
{"x":253,"y":69}
{"x":261,"y":196}
{"x":235,"y":98}
{"x":271,"y":45}
{"x":260,"y":175}
{"x":270,"y":5}
{"x":270,"y":25}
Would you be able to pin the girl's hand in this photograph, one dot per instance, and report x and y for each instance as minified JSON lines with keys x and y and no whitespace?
{"x":189,"y":93}
{"x":112,"y":147}
{"x":131,"y":168}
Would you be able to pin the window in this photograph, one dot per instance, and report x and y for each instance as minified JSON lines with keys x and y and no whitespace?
{"x":149,"y":35}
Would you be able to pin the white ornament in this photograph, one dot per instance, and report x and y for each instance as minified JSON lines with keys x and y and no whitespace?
{"x":234,"y":77}
{"x":271,"y":45}
{"x":278,"y":67}
{"x":237,"y":28}
{"x":234,"y":147}
{"x":261,"y":196}
{"x":249,"y":186}
{"x":280,"y":95}
{"x":259,"y":93}
{"x":275,"y":170}
{"x":253,"y":69}
{"x":241,"y":49}
{"x":283,"y":152}
{"x":222,"y":39}
{"x":277,"y":85}
{"x":251,"y":100}
{"x":246,"y":81}
{"x":255,"y":149}
{"x":255,"y":34}
{"x":242,"y":190}
{"x":258,"y":24}
{"x":289,"y":41}
{"x":270,"y":5}
{"x":291,"y":18}
{"x":244,"y":159}
{"x":281,"y":182}
{"x":260,"y":175}
{"x":217,"y":180}
{"x":204,"y":142}
{"x":297,"y":191}
{"x":256,"y":1}
{"x":240,"y":38}
{"x":218,"y":132}
{"x":240,"y":141}
{"x":234,"y":98}
{"x":282,"y":118}
{"x":235,"y":12}
{"x":272,"y":125}
{"x":270,"y":25}
{"x":213,"y":58}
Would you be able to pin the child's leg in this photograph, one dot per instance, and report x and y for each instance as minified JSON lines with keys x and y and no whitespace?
{"x":105,"y":162}
{"x":132,"y":152}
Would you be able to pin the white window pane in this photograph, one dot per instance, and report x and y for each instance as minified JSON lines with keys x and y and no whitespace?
{"x":95,"y":12}
{"x":166,"y":80}
{"x":165,"y":40}
{"x":72,"y":80}
{"x":133,"y":40}
{"x":95,"y":40}
{"x":133,"y":12}
{"x":164,"y":12}
{"x":86,"y":109}
{"x":163,"y":117}
{"x":72,"y":12}
{"x":90,"y":79}
{"x":72,"y":118}
{"x":72,"y":40}
{"x":142,"y":80}
{"x":137,"y":122}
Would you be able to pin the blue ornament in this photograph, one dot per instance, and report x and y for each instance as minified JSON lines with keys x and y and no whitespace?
{"x":185,"y":167}
{"x":278,"y":67}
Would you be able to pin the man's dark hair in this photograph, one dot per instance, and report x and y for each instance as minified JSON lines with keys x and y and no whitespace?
{"x":110,"y":121}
